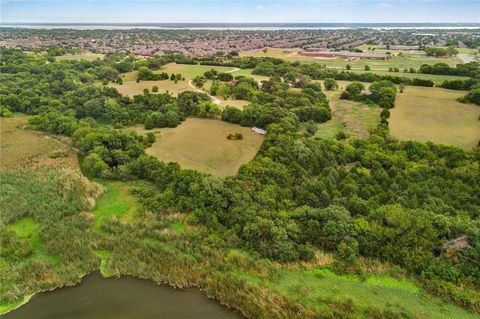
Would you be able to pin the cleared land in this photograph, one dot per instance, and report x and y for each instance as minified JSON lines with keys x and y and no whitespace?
{"x":355,"y":119}
{"x":24,"y":148}
{"x":433,"y":114}
{"x":202,"y":144}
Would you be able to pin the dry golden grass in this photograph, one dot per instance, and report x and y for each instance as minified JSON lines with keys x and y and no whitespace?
{"x":24,"y":148}
{"x":132,"y":88}
{"x":89,"y":56}
{"x":202,"y":144}
{"x":433,"y":114}
{"x":234,"y":103}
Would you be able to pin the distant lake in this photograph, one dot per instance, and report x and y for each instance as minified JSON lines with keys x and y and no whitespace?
{"x":121,"y":298}
{"x":241,"y":26}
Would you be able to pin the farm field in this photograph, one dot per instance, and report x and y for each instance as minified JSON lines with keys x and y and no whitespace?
{"x":25,"y":148}
{"x":433,"y":114}
{"x":89,"y":56}
{"x":202,"y":144}
{"x":401,"y":62}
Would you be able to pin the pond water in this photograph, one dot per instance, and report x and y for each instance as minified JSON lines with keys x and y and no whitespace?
{"x":121,"y":298}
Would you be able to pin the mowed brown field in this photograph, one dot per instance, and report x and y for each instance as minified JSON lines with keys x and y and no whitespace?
{"x":202,"y":144}
{"x":433,"y":114}
{"x":21,"y":148}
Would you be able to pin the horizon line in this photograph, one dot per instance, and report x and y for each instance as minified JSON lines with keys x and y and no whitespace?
{"x":220,"y":22}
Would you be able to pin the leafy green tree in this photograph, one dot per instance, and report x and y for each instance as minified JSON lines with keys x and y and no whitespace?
{"x":330,"y":84}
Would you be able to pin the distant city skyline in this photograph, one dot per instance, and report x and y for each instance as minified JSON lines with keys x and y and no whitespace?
{"x":239,"y":11}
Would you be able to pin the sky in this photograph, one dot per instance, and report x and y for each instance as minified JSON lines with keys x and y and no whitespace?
{"x":266,"y":11}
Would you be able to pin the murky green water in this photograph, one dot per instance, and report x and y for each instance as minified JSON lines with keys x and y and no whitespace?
{"x":121,"y":298}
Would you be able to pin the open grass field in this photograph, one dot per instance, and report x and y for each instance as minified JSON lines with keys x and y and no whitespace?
{"x":321,"y":289}
{"x":23,"y":148}
{"x":433,"y":114}
{"x":353,"y":118}
{"x":190,"y":71}
{"x":375,"y":48}
{"x":437,"y":79}
{"x":89,"y":56}
{"x":381,"y":67}
{"x":248,"y":73}
{"x":130,"y":87}
{"x":202,"y":144}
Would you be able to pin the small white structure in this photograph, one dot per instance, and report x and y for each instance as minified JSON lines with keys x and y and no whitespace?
{"x":259,"y":130}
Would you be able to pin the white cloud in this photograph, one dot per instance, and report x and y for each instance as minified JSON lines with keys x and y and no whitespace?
{"x":384,"y":5}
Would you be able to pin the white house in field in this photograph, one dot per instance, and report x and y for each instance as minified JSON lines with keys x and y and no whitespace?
{"x":259,"y":130}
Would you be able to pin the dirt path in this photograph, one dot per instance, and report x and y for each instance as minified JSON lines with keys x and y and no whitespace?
{"x":214,"y":99}
{"x":233,"y":70}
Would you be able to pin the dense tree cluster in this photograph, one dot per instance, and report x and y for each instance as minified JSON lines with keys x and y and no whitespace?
{"x":439,"y":52}
{"x":472,"y":97}
{"x":381,"y":92}
{"x":470,"y":69}
{"x":299,"y":194}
